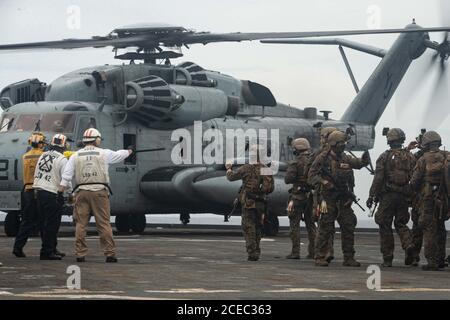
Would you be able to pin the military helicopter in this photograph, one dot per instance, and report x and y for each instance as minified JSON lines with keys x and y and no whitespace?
{"x":141,"y":104}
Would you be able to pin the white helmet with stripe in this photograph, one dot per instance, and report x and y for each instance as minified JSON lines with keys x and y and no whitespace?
{"x":59,"y":140}
{"x":91,"y":134}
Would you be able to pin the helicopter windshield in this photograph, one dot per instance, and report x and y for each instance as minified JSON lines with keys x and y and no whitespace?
{"x":58,"y":122}
{"x":51,"y":122}
{"x":6,"y":123}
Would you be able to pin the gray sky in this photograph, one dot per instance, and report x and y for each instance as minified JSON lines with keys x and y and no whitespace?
{"x":298,"y":75}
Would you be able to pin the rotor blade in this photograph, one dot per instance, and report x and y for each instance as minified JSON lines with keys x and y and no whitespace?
{"x":334,"y":41}
{"x":81,"y":43}
{"x":417,"y":74}
{"x":226,"y":37}
{"x":438,"y":107}
{"x":152,"y":40}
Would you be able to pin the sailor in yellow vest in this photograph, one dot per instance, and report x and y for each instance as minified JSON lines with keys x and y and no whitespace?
{"x":47,"y":178}
{"x":89,"y":167}
{"x":30,"y":215}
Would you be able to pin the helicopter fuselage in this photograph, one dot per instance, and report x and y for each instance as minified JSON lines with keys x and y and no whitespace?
{"x":150,"y":182}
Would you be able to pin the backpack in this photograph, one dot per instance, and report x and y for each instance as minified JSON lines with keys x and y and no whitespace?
{"x":447,"y":174}
{"x":398,"y":167}
{"x":434,"y":167}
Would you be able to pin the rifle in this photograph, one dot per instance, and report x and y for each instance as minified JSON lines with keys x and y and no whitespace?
{"x":344,"y":192}
{"x":236,"y":205}
{"x":149,"y":150}
{"x":372,"y":211}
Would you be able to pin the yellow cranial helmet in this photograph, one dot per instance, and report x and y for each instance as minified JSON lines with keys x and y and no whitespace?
{"x":36,"y":138}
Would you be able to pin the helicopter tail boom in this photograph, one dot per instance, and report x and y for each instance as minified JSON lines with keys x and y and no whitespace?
{"x":371,"y":101}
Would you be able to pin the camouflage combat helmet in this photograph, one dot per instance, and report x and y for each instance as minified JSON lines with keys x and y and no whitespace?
{"x":395,"y":134}
{"x":430,"y":137}
{"x":301,"y":144}
{"x":337,"y":137}
{"x":325,"y":132}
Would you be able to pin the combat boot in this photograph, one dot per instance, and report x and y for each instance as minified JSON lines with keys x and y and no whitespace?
{"x":321,"y":263}
{"x":409,"y":255}
{"x":442,"y":264}
{"x":111,"y":259}
{"x":329,"y":259}
{"x":351,"y":262}
{"x":387,"y":263}
{"x":18,"y":253}
{"x":253,"y":258}
{"x":416,"y":261}
{"x":293,"y":256}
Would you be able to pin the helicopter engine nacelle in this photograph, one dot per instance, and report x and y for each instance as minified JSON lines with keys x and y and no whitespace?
{"x":164,"y":106}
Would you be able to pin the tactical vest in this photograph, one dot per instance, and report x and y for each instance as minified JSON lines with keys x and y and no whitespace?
{"x":91,"y":171}
{"x":397,"y":170}
{"x":301,"y":186}
{"x":252,"y":180}
{"x":48,"y":171}
{"x":342,"y":174}
{"x":30,"y":160}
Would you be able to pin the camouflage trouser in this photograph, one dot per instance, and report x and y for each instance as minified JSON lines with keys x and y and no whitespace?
{"x":393,"y":208}
{"x":343,"y":213}
{"x":252,"y":228}
{"x":330,"y":246}
{"x":442,"y":242}
{"x":416,"y":231}
{"x":434,"y":234}
{"x":302,"y":209}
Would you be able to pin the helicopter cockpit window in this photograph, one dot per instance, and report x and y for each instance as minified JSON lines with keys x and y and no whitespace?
{"x":6,"y":123}
{"x":83,"y":124}
{"x":27,"y":122}
{"x":58,"y":122}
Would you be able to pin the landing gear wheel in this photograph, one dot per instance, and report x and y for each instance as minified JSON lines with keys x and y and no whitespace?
{"x":12,"y":224}
{"x":138,"y":223}
{"x":123,"y":223}
{"x":185,"y":218}
{"x":271,"y":225}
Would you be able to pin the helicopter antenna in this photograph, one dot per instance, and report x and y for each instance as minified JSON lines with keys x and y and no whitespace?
{"x":38,"y":125}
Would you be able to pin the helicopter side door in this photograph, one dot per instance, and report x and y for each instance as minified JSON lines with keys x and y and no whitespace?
{"x":124,"y":175}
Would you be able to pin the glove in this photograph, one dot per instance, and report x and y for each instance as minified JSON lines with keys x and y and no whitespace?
{"x":132,"y":148}
{"x":60,"y":199}
{"x":369,"y":202}
{"x":412,"y":145}
{"x":323,"y":207}
{"x":327,"y":185}
{"x":365,"y":157}
{"x":290,"y":207}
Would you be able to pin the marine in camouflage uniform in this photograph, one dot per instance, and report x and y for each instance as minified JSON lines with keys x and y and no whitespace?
{"x":390,"y":186}
{"x":324,"y":133}
{"x":416,"y":231}
{"x":254,"y":189}
{"x":332,"y":173}
{"x":300,"y":200}
{"x":428,"y":180}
